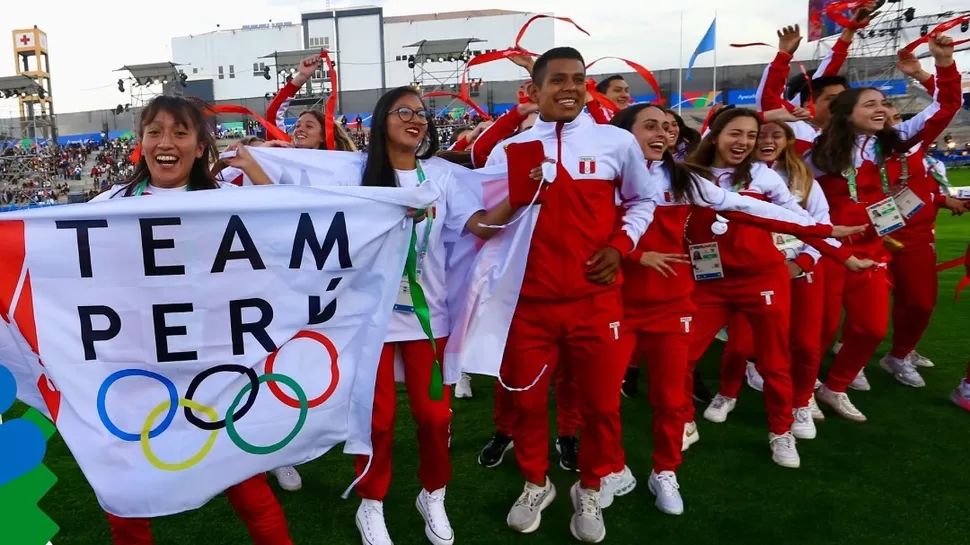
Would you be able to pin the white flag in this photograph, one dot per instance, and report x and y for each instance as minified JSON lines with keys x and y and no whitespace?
{"x":203,"y":338}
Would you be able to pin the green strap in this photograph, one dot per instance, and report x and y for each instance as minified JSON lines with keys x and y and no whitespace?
{"x":423,"y":313}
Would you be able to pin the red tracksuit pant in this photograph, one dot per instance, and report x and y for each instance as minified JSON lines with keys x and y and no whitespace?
{"x":914,"y":296}
{"x":805,"y":341}
{"x":253,"y":501}
{"x":865,"y":297}
{"x":567,"y":412}
{"x":765,"y":301}
{"x":586,"y":333}
{"x":433,"y":419}
{"x":661,"y":334}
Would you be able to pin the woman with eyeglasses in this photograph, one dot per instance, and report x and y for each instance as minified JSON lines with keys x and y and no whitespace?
{"x":176,"y":149}
{"x":402,"y":154}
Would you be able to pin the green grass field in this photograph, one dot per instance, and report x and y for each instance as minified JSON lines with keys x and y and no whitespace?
{"x":899,"y":479}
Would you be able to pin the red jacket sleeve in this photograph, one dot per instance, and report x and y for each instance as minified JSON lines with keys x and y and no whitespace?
{"x":772,"y":88}
{"x":929,"y":124}
{"x":504,"y":127}
{"x":275,"y":110}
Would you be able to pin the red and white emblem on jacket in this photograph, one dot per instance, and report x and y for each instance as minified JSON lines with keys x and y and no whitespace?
{"x":587,"y":165}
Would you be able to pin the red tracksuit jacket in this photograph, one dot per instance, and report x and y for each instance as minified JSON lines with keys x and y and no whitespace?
{"x":746,"y":249}
{"x":771,"y":90}
{"x":579,"y":215}
{"x":644,"y":286}
{"x":923,"y":129}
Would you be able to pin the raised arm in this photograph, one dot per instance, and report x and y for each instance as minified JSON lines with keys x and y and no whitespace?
{"x":276,"y":110}
{"x":929,"y":124}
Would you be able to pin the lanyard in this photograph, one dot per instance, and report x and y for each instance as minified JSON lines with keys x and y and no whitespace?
{"x":850,"y":175}
{"x":143,"y":185}
{"x":428,"y":222}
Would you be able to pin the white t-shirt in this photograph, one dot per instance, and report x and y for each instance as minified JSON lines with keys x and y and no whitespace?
{"x":118,"y":191}
{"x":452,"y":211}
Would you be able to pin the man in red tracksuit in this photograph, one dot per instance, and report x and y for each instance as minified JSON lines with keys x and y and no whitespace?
{"x":569,"y":306}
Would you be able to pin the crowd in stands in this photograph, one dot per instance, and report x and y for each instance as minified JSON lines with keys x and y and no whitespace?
{"x":38,"y":174}
{"x":113,"y":163}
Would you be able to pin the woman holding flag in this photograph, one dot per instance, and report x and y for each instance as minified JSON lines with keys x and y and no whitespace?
{"x":864,"y":170}
{"x":177,"y":149}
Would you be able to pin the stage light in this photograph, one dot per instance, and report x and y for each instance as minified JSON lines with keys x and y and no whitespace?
{"x":266,"y":72}
{"x":411,"y":61}
{"x":121,"y":85}
{"x":965,"y":26}
{"x":183,"y":79}
{"x":909,"y":14}
{"x":924,"y":30}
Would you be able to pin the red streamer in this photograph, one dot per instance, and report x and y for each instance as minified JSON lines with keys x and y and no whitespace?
{"x":940,"y":29}
{"x":330,"y":108}
{"x":835,"y":12}
{"x":521,"y":34}
{"x":481,"y":113}
{"x":601,"y":98}
{"x":639,"y":69}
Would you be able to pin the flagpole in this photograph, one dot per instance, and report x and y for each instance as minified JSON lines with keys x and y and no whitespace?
{"x":714,"y":98}
{"x":680,"y":69}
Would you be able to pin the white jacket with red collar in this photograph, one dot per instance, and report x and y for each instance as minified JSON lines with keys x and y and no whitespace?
{"x":578,"y":214}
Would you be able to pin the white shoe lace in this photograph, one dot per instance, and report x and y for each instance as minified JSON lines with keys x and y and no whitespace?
{"x":785,"y":442}
{"x":803,"y":415}
{"x":373,"y":515}
{"x":435,"y":503}
{"x":719,"y":402}
{"x":668,"y":483}
{"x":531,"y":496}
{"x":589,"y":505}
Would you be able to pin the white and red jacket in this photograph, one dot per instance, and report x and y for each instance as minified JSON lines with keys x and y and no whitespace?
{"x":746,"y":249}
{"x":922,"y":129}
{"x":578,"y":214}
{"x":276,"y":111}
{"x":771,"y":91}
{"x":644,"y":286}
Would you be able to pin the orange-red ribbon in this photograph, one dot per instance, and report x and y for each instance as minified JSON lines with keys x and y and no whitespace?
{"x":331,"y":107}
{"x":600,"y":97}
{"x":835,"y":12}
{"x":481,"y":113}
{"x":521,"y":34}
{"x":639,"y":69}
{"x":940,"y":29}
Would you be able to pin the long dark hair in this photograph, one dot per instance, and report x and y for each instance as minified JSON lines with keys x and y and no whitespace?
{"x":688,"y":135}
{"x":683,"y":176}
{"x":706,"y":151}
{"x":835,"y":147}
{"x":190,"y":113}
{"x":378,"y":171}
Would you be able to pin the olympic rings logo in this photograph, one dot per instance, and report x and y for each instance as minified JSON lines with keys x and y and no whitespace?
{"x":234,"y":413}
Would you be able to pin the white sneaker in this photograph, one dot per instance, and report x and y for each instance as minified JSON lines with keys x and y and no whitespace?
{"x":463,"y":390}
{"x":526,"y":514}
{"x":860,"y":382}
{"x":818,"y":384}
{"x":616,"y":484}
{"x":919,"y":360}
{"x":804,"y":425}
{"x":903,"y":371}
{"x":755,"y":381}
{"x":839,"y":401}
{"x":289,"y":478}
{"x":587,"y":523}
{"x":664,"y":486}
{"x":691,"y":435}
{"x":817,"y":413}
{"x":719,"y":408}
{"x":961,"y":395}
{"x":783,"y":451}
{"x":836,"y":348}
{"x":437,"y":528}
{"x":370,"y":523}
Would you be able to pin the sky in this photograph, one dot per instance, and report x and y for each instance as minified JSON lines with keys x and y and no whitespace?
{"x":89,"y":40}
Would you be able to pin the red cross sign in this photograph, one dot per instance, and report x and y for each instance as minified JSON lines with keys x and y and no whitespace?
{"x":24,"y":39}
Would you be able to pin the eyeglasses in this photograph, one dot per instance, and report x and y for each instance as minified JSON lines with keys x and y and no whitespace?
{"x":407,"y":114}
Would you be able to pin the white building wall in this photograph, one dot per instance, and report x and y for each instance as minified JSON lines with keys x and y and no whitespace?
{"x":359,"y":53}
{"x":497,"y":31}
{"x":237,"y":52}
